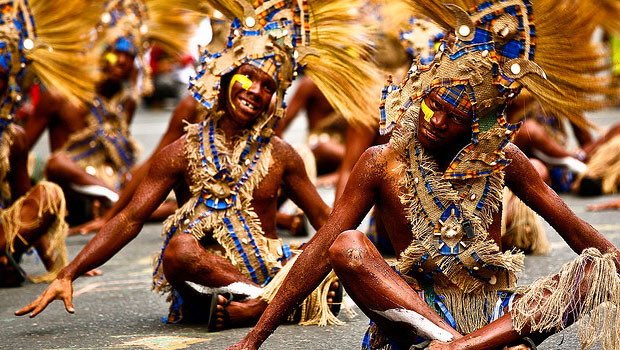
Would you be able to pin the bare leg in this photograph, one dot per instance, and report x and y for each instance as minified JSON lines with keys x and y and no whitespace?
{"x":382,"y":294}
{"x":541,"y":169}
{"x":501,"y":332}
{"x":71,"y":177}
{"x":196,"y":274}
{"x":328,"y":156}
{"x":532,"y":136}
{"x":611,"y":205}
{"x":32,"y":234}
{"x":592,"y":147}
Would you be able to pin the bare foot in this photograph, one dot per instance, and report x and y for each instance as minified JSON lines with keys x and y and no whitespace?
{"x":238,"y":313}
{"x":93,"y":273}
{"x":612,"y":205}
{"x":91,"y":226}
{"x":439,"y":345}
{"x":334,"y":297}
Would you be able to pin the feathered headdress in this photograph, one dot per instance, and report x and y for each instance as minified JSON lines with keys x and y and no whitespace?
{"x":133,"y":25}
{"x":421,"y":39}
{"x":283,"y":37}
{"x":47,"y":35}
{"x":501,"y":46}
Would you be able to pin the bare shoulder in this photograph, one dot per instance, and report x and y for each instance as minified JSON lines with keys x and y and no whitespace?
{"x":283,"y":152}
{"x":520,"y":172}
{"x":517,"y":158}
{"x":18,"y":147}
{"x":379,"y":155}
{"x":373,"y":163}
{"x":185,"y":112}
{"x":52,"y":99}
{"x":171,"y":158}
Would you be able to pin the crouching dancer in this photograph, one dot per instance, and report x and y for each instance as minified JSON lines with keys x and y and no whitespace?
{"x":34,"y":216}
{"x":222,"y":260}
{"x":438,"y":188}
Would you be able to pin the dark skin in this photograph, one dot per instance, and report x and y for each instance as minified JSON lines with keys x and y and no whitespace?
{"x":20,"y":185}
{"x":368,"y":279}
{"x":185,"y":112}
{"x":186,"y":260}
{"x":63,"y":118}
{"x":308,"y":96}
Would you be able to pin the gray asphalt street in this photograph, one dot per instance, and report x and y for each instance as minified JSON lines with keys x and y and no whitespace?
{"x":118,"y":310}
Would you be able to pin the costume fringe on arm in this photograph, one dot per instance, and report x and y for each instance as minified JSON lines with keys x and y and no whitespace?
{"x":525,"y":230}
{"x":550,"y":302}
{"x":51,"y":202}
{"x":314,"y":309}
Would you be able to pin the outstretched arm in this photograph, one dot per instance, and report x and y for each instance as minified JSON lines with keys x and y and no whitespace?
{"x":301,"y":190}
{"x":523,"y":180}
{"x":313,"y":264}
{"x":119,"y":231}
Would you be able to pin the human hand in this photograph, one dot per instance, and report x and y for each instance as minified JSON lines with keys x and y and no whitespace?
{"x":244,"y":344}
{"x":61,"y":289}
{"x":91,"y":226}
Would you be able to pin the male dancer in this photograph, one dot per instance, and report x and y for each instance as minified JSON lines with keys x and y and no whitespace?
{"x":226,"y":172}
{"x":34,"y":216}
{"x":438,"y":185}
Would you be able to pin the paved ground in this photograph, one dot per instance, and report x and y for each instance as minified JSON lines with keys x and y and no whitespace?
{"x":118,"y":311}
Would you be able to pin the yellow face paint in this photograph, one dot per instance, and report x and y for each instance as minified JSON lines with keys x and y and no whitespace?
{"x":428,"y":113}
{"x":111,"y":58}
{"x":246,"y":84}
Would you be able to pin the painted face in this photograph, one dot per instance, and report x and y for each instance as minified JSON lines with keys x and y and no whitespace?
{"x":249,"y":94}
{"x":442,"y":125}
{"x":118,"y":65}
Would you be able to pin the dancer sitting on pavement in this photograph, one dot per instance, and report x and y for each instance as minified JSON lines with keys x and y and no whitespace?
{"x":34,"y":216}
{"x":227,"y":169}
{"x":93,"y":151}
{"x":438,"y":186}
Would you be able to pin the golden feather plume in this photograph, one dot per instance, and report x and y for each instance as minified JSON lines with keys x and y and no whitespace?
{"x":564,"y":50}
{"x":607,"y":13}
{"x":172,"y":23}
{"x":350,"y":82}
{"x":62,"y":28}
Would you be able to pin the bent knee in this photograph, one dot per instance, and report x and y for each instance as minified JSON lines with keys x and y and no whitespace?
{"x":178,"y":252}
{"x":55,"y":164}
{"x":46,"y":196}
{"x":348,"y":249}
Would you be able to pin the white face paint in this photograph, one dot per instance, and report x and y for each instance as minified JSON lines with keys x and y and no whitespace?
{"x":419,"y":324}
{"x":237,"y":288}
{"x":96,"y":191}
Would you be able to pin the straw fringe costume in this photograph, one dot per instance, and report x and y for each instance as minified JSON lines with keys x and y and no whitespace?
{"x":278,"y":38}
{"x":604,"y":164}
{"x":452,"y":262}
{"x":104,"y":147}
{"x":46,"y":36}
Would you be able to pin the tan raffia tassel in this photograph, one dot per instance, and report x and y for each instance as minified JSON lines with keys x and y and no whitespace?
{"x":550,"y":301}
{"x":525,"y":230}
{"x":50,"y":202}
{"x":605,"y":165}
{"x":314,"y":309}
